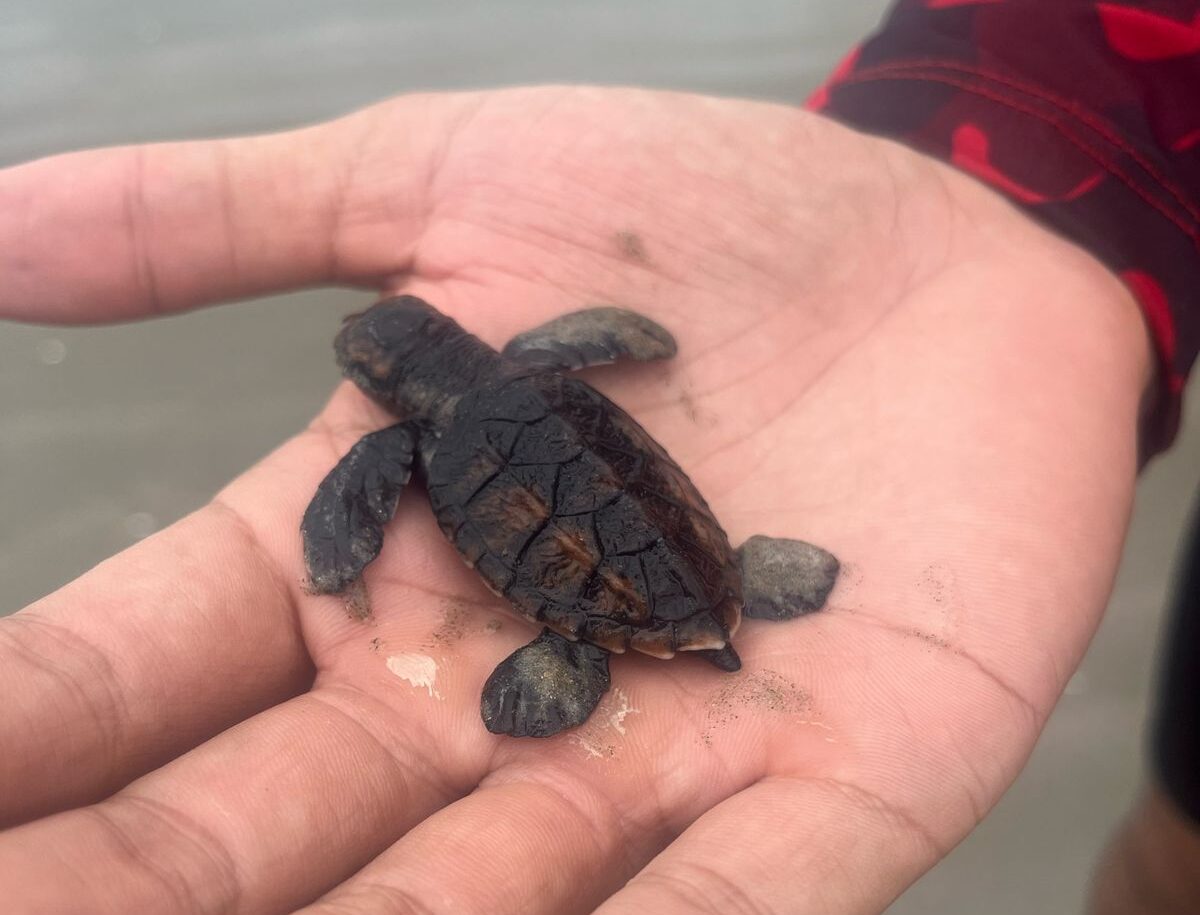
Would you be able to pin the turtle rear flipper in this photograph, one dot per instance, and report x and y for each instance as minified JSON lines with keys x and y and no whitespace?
{"x":343,"y":525}
{"x":545,"y":687}
{"x":783,"y":579}
{"x":594,"y":336}
{"x":725,"y":659}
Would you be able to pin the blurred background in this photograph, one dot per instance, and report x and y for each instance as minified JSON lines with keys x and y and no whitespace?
{"x":108,"y":434}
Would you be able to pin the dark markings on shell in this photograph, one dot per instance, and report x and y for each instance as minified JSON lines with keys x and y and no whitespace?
{"x":581,"y":520}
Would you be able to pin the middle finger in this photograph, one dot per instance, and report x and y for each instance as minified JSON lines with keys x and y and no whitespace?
{"x":519,"y":845}
{"x":560,"y":824}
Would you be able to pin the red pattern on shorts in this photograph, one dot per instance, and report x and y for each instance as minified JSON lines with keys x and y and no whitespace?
{"x":1086,"y":114}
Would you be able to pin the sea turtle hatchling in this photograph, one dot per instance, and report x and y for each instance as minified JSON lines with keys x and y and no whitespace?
{"x":555,"y":495}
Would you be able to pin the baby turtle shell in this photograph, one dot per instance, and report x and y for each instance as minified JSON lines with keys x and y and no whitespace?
{"x":569,"y":509}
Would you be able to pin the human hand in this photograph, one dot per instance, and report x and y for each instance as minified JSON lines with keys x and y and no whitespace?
{"x":875,"y":354}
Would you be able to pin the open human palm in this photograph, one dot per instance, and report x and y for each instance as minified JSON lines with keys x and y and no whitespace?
{"x":875,"y":354}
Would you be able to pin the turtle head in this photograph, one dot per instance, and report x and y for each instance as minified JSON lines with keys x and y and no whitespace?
{"x":411,"y":358}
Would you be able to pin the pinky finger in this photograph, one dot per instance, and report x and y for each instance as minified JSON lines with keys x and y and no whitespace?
{"x":785,"y":845}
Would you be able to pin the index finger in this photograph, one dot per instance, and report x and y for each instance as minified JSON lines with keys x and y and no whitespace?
{"x":123,"y":233}
{"x":147,"y":655}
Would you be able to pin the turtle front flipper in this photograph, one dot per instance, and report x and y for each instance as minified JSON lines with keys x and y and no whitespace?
{"x":783,"y":579}
{"x":594,"y":336}
{"x":343,"y":525}
{"x":545,"y":687}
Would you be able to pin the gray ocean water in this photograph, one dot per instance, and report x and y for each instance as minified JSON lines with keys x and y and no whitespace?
{"x":108,"y":434}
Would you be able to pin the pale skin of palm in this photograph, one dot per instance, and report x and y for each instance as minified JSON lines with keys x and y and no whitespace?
{"x":876,"y":354}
